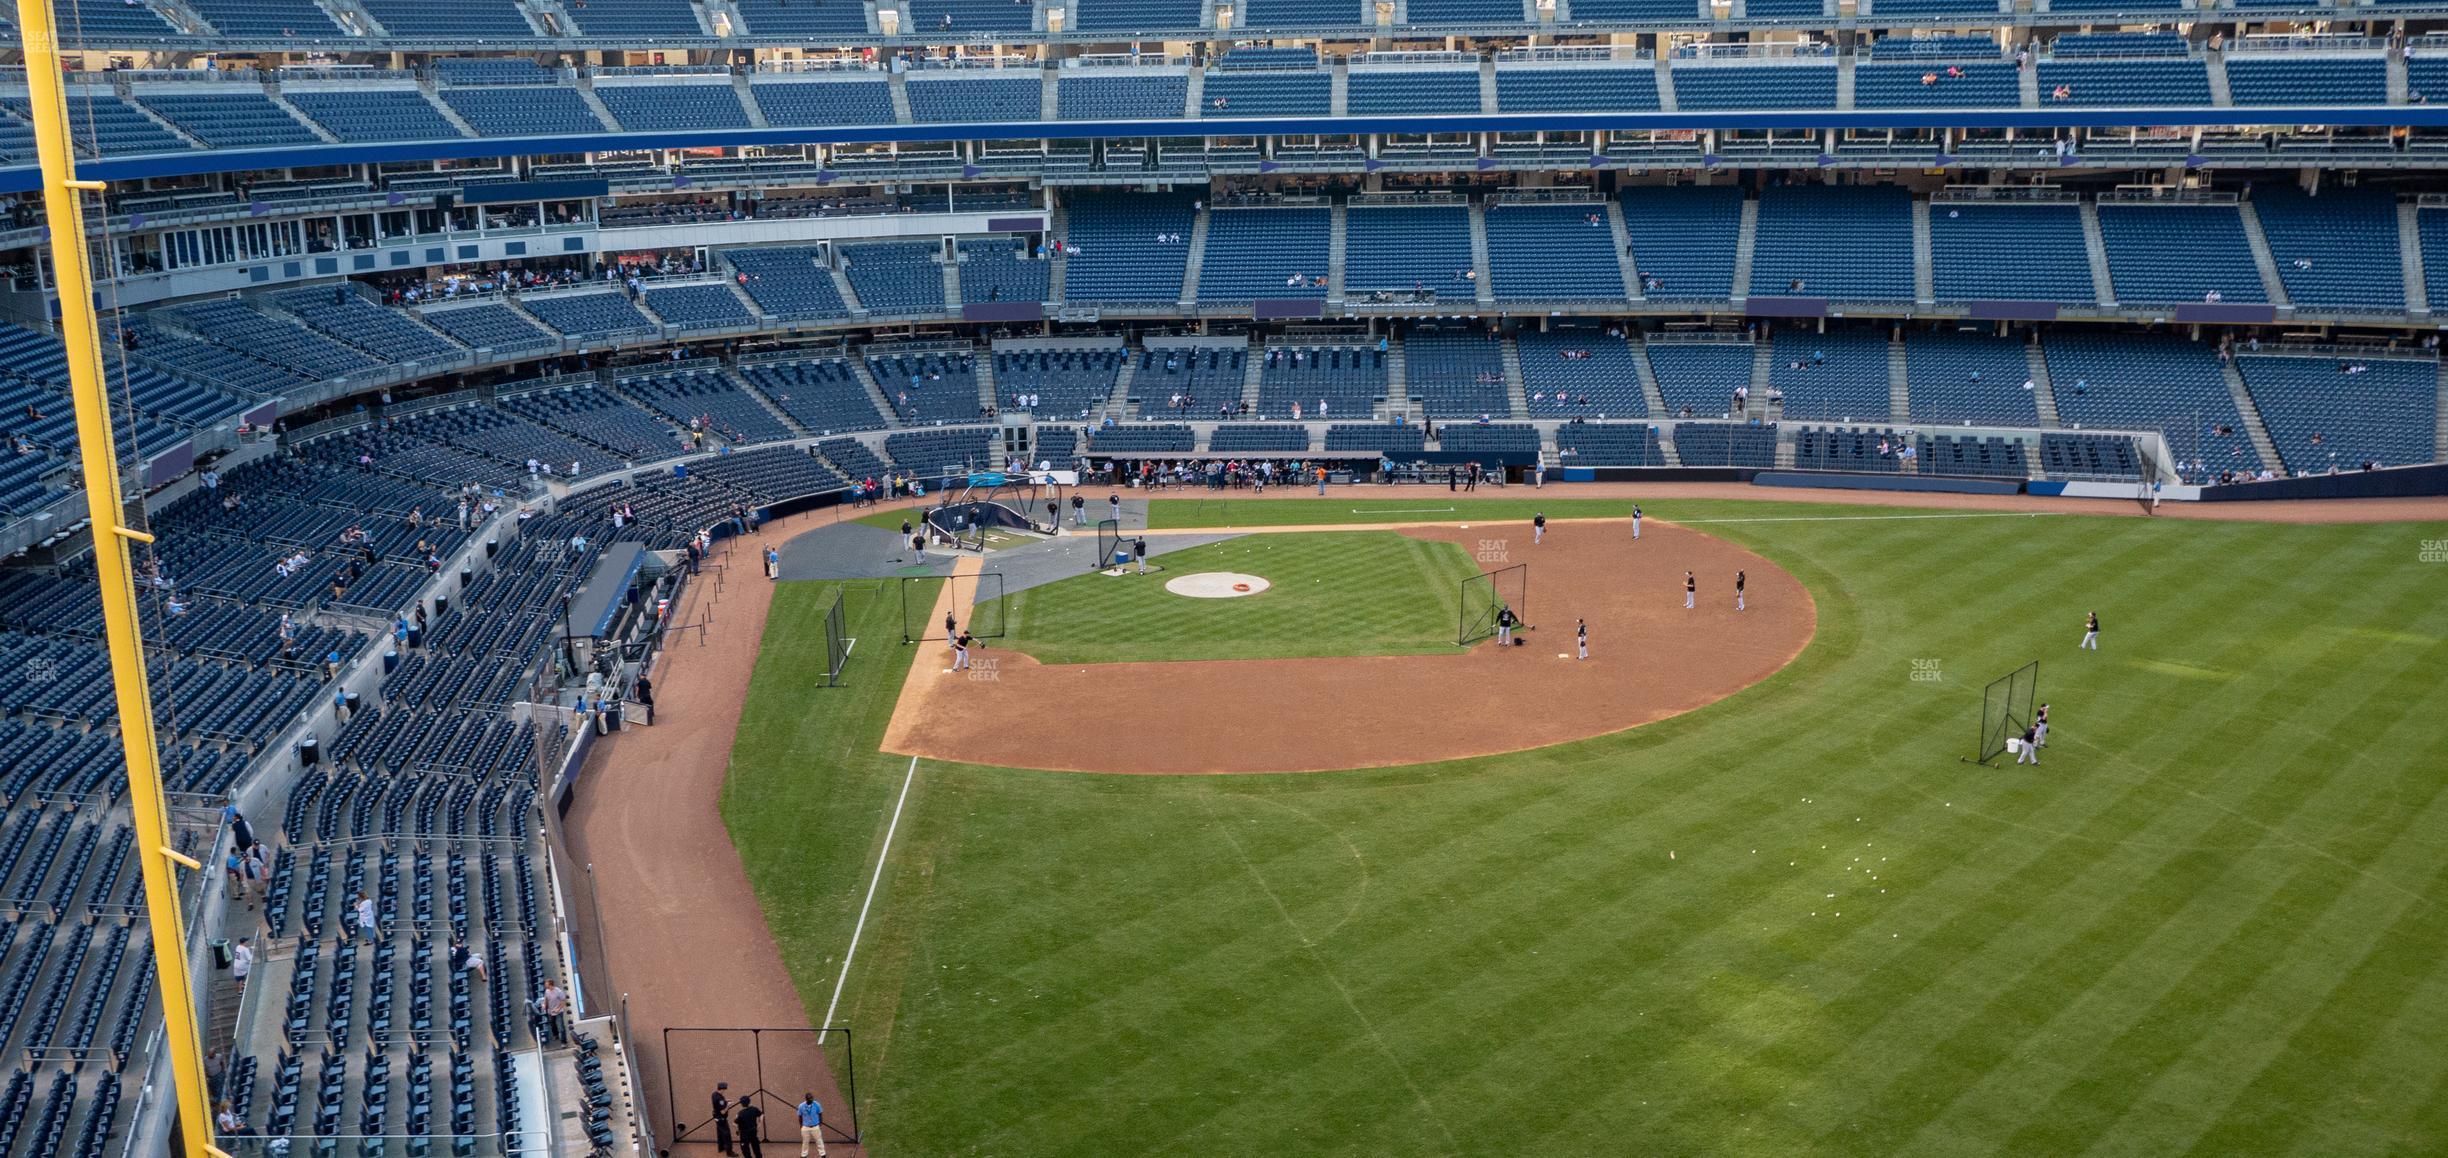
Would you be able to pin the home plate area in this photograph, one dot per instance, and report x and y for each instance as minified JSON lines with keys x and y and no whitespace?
{"x":1216,"y":585}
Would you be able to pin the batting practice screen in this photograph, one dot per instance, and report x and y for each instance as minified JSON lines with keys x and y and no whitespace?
{"x":1109,"y":542}
{"x":2006,"y":708}
{"x":837,"y":641}
{"x":977,"y":605}
{"x":1484,"y":595}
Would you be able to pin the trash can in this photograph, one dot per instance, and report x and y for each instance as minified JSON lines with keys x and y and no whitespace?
{"x":350,"y":701}
{"x":492,"y":546}
{"x":220,"y":953}
{"x":416,"y":636}
{"x":390,"y":660}
{"x":310,"y":752}
{"x":442,"y":602}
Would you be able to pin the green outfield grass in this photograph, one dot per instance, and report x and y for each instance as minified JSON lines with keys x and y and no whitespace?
{"x":1333,"y":593}
{"x":1793,"y":922}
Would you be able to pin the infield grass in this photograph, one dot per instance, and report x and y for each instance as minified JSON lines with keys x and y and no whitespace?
{"x":1332,"y":593}
{"x":2210,"y":923}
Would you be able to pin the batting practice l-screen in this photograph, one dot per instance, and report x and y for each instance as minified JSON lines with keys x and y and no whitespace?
{"x":1485,"y":594}
{"x":977,"y":605}
{"x":837,"y":641}
{"x":1109,"y":542}
{"x":2006,"y":708}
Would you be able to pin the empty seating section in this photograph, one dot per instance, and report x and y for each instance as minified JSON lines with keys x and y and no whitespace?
{"x":941,"y":453}
{"x":702,"y":306}
{"x":1065,"y":382}
{"x":2089,"y":456}
{"x":819,"y":20}
{"x":2171,"y":254}
{"x":2339,"y":412}
{"x":295,"y":20}
{"x":1977,"y":378}
{"x":1810,"y":85}
{"x":1488,"y":12}
{"x":1266,"y":253}
{"x":1840,"y":375}
{"x":1840,"y":242}
{"x":478,"y":21}
{"x":1725,"y":444}
{"x":1250,"y":437}
{"x":2120,"y":44}
{"x":490,"y":326}
{"x":1990,"y":83}
{"x":1381,"y":438}
{"x":1231,"y":93}
{"x":991,"y":98}
{"x":100,"y":122}
{"x":1683,"y":239}
{"x":374,"y":114}
{"x":1456,"y":374}
{"x":852,"y":458}
{"x":970,"y":16}
{"x":1300,"y":14}
{"x":1587,"y":374}
{"x":928,"y":387}
{"x":710,"y":399}
{"x":1142,"y":439}
{"x":1552,"y":253}
{"x":2009,"y":252}
{"x":1796,"y":10}
{"x":1121,"y":94}
{"x":112,"y":18}
{"x":1377,"y":90}
{"x":229,"y":120}
{"x":1697,"y":379}
{"x":238,"y":327}
{"x":1115,"y":255}
{"x":1136,"y":15}
{"x":1963,"y":454}
{"x":1608,"y":444}
{"x":2132,"y":382}
{"x":522,"y":112}
{"x":995,"y":269}
{"x":1403,"y":248}
{"x":1472,"y":437}
{"x":895,"y":277}
{"x":635,"y":19}
{"x":2338,"y":250}
{"x":1847,"y":448}
{"x":799,"y":103}
{"x":588,"y":315}
{"x":602,"y":418}
{"x":1325,"y":382}
{"x":2139,"y":83}
{"x":788,"y":284}
{"x":823,"y":394}
{"x":1637,"y":10}
{"x":647,"y":108}
{"x":1200,"y":379}
{"x":493,"y":70}
{"x":345,"y":315}
{"x":2426,"y":76}
{"x":1627,"y":86}
{"x":2285,"y":78}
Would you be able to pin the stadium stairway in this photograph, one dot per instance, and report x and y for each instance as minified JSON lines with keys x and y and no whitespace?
{"x":1338,"y":79}
{"x":1785,"y":446}
{"x":731,"y":374}
{"x":1665,"y":85}
{"x":2396,"y":76}
{"x":1049,"y":106}
{"x":875,"y":392}
{"x":1648,"y":377}
{"x":1487,"y":69}
{"x":1484,"y":286}
{"x":1253,"y":371}
{"x":1844,"y":82}
{"x":282,"y":103}
{"x":594,"y":104}
{"x":2220,"y":93}
{"x":2096,"y":248}
{"x":1899,"y":392}
{"x":952,"y":279}
{"x":1624,"y":265}
{"x":1517,"y":399}
{"x":1763,"y":367}
{"x":425,"y":85}
{"x":2044,"y":390}
{"x":2027,"y":88}
{"x":1925,"y":277}
{"x":549,"y":13}
{"x":1398,"y":381}
{"x":2254,"y":428}
{"x":2410,"y":258}
{"x":1058,"y":266}
{"x":2271,"y":283}
{"x":747,"y":99}
{"x":898,"y":85}
{"x":1337,"y":230}
{"x":1118,"y":405}
{"x":1195,"y":261}
{"x":988,"y":397}
{"x":1745,"y":244}
{"x":849,"y":296}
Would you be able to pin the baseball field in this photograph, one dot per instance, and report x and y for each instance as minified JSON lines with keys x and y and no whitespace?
{"x":1791,"y":920}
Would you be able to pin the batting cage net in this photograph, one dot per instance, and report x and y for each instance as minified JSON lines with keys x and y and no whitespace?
{"x":977,"y":606}
{"x":2006,"y":708}
{"x":1485,"y":595}
{"x":837,"y":640}
{"x":773,"y":1068}
{"x":1109,"y":542}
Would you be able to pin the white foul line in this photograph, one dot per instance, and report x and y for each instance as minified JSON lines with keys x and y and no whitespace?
{"x":861,"y":927}
{"x":1405,"y":511}
{"x":1877,"y":518}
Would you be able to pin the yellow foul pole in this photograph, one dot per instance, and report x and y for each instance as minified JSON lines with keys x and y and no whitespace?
{"x":73,"y":274}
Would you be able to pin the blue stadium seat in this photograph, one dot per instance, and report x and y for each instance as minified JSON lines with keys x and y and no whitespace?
{"x":2337,"y":413}
{"x":374,"y":114}
{"x":1412,"y":90}
{"x":1587,"y":374}
{"x":1121,"y":94}
{"x":1400,"y":248}
{"x":2027,"y":252}
{"x":1266,"y":94}
{"x":1798,"y":84}
{"x":1542,"y":252}
{"x":1684,"y":237}
{"x":1629,"y":86}
{"x":788,"y":283}
{"x":1258,"y":253}
{"x":644,"y":108}
{"x":1841,"y":242}
{"x":1956,"y":377}
{"x":2172,"y":254}
{"x":522,"y":111}
{"x":2338,"y":250}
{"x":804,"y":103}
{"x":895,"y":277}
{"x":981,"y":98}
{"x":1115,"y":255}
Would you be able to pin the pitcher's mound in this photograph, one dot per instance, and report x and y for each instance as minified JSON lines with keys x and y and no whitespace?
{"x":1216,"y":585}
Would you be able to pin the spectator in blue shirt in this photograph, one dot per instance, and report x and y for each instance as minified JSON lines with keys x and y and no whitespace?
{"x":811,"y":1125}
